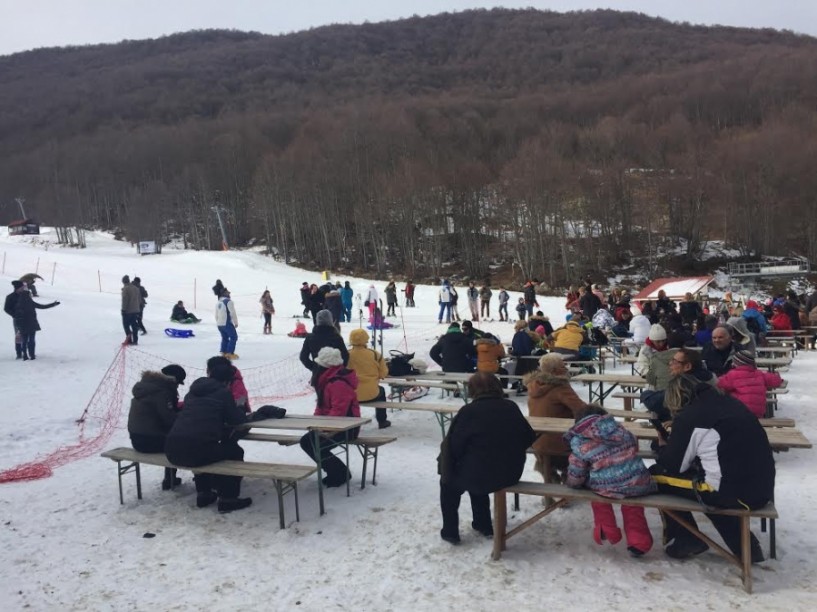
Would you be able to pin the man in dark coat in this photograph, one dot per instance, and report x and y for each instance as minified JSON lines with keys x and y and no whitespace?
{"x":717,"y":354}
{"x":333,"y":304}
{"x":25,"y":320}
{"x":9,"y":308}
{"x":323,"y":334}
{"x":484,"y":451}
{"x":143,"y":295}
{"x":305,"y":298}
{"x":589,"y":302}
{"x":153,"y":410}
{"x":454,"y":351}
{"x":131,"y":307}
{"x":204,"y":433}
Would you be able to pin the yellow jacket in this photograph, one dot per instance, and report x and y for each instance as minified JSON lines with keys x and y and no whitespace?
{"x":569,"y":337}
{"x":368,"y":364}
{"x":489,"y":353}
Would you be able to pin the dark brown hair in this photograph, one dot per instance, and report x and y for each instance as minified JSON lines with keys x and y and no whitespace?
{"x":484,"y":384}
{"x":589,"y":410}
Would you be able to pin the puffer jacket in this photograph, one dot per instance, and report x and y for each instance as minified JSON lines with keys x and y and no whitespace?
{"x":337,"y":395}
{"x":551,"y":396}
{"x":239,"y":391}
{"x":604,"y":458}
{"x":748,"y":384}
{"x":152,"y":408}
{"x":224,"y":308}
{"x":569,"y":337}
{"x":489,"y":352}
{"x":368,"y":365}
{"x":640,"y":328}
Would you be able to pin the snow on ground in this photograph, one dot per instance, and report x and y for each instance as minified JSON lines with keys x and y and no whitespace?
{"x":68,"y":545}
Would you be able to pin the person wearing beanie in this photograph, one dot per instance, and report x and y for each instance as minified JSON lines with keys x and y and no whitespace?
{"x":741,"y":336}
{"x":746,"y":383}
{"x":370,"y":368}
{"x":323,"y":335}
{"x":153,"y":410}
{"x":131,"y":307}
{"x":9,"y":307}
{"x":227,"y":323}
{"x":336,"y":387}
{"x":205,"y":432}
{"x":656,"y":342}
{"x":304,"y":290}
{"x":454,"y":351}
{"x":143,"y":295}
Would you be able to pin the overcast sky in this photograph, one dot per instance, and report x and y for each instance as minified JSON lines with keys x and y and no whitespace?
{"x":29,"y":24}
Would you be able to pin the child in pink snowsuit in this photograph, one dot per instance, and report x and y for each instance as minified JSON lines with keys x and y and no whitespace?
{"x":604,"y":459}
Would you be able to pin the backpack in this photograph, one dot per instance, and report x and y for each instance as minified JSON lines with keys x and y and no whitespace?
{"x":399,"y":363}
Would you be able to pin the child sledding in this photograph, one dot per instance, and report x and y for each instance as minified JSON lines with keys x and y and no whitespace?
{"x":180,"y":315}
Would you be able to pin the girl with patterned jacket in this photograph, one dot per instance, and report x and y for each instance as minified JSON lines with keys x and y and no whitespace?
{"x":604,"y":458}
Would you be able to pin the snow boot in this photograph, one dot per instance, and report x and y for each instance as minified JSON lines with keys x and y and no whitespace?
{"x":639,"y":538}
{"x":236,"y":503}
{"x":605,"y":527}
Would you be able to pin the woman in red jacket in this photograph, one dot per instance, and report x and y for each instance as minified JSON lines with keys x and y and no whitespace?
{"x":337,"y":397}
{"x":746,"y":383}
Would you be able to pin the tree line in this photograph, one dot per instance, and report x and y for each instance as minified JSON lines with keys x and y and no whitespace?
{"x":552,"y":144}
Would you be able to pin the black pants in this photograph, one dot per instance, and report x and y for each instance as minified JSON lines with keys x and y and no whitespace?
{"x":130,"y":323}
{"x":485,"y":308}
{"x":450,"y":494}
{"x":139,"y":323}
{"x":380,"y":413}
{"x":390,"y":310}
{"x":267,"y":319}
{"x":28,"y":344}
{"x":18,"y":344}
{"x":727,"y":526}
{"x":193,"y":453}
{"x":503,"y":312}
{"x":335,"y":470}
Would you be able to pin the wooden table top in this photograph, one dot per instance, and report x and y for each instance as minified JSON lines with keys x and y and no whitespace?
{"x":310,"y":423}
{"x":626,"y":380}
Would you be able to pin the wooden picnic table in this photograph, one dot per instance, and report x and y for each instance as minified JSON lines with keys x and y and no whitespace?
{"x":646,"y":415}
{"x":318,"y":425}
{"x":442,"y":412}
{"x":775,"y":350}
{"x":597,"y":382}
{"x":772,"y":363}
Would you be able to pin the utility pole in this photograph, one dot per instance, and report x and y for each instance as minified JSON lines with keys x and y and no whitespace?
{"x":218,"y":210}
{"x":20,"y":202}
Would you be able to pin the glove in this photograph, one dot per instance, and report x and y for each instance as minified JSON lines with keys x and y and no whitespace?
{"x":56,"y":303}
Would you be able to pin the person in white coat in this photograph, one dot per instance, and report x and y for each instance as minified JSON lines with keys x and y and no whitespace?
{"x":227,"y":322}
{"x":640,"y":328}
{"x":371,"y":300}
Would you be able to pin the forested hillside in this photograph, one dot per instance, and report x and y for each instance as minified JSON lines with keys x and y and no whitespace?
{"x":556,"y":141}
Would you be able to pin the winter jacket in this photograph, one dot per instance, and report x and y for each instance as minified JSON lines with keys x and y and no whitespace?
{"x":603,"y":319}
{"x":569,"y":337}
{"x":305,"y":292}
{"x":225,"y":308}
{"x":153,"y":406}
{"x":486,"y":444}
{"x":179,"y":313}
{"x":209,"y":416}
{"x":640,"y":328}
{"x":25,"y":313}
{"x":472,"y":293}
{"x":239,"y":392}
{"x":391,"y":293}
{"x":346,"y":297}
{"x":454,"y":352}
{"x":371,"y":295}
{"x":521,"y":344}
{"x":589,"y":304}
{"x":529,"y":293}
{"x":748,"y":384}
{"x":503,"y":297}
{"x":11,"y":303}
{"x":690,"y":311}
{"x":781,"y":321}
{"x":321,"y":337}
{"x":535,"y":321}
{"x":552,"y":396}
{"x":489,"y":352}
{"x":485,"y":294}
{"x":267,"y":306}
{"x":143,"y":294}
{"x":131,"y":299}
{"x":702,"y":336}
{"x":368,"y":365}
{"x":719,"y":362}
{"x":664,"y":305}
{"x":337,"y":393}
{"x":750,"y":314}
{"x":658,"y":372}
{"x":444,"y":295}
{"x":792,"y":309}
{"x":604,"y":458}
{"x":333,"y":304}
{"x":642,"y":365}
{"x":730,"y":443}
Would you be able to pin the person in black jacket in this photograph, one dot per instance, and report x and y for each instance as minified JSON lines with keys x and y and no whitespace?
{"x":484,"y":451}
{"x":454,"y":351}
{"x":588,"y":302}
{"x":717,"y":354}
{"x":25,"y":320}
{"x":153,"y":410}
{"x":323,"y":334}
{"x":333,"y":304}
{"x":204,"y":433}
{"x":9,"y":308}
{"x":718,"y":454}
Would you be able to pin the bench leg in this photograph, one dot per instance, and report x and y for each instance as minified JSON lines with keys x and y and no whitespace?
{"x":364,"y":451}
{"x":119,"y":473}
{"x":316,"y":446}
{"x":746,"y":553}
{"x":516,"y":501}
{"x":772,"y":540}
{"x":279,"y":490}
{"x":348,"y":465}
{"x":500,"y":523}
{"x":297,"y":509}
{"x":138,"y":482}
{"x":374,"y":467}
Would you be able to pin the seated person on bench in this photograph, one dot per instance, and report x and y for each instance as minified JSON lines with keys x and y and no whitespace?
{"x":568,"y":339}
{"x":718,"y":454}
{"x":484,"y":451}
{"x":153,"y":411}
{"x":203,"y":433}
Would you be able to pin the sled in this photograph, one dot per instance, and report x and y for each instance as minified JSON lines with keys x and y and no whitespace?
{"x":179,"y":333}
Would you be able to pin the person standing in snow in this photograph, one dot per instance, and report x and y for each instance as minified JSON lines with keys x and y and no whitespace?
{"x":9,"y":308}
{"x":143,"y":294}
{"x":227,"y":322}
{"x":305,"y":298}
{"x":267,"y":310}
{"x":473,"y":301}
{"x":504,"y":298}
{"x":131,"y":305}
{"x":444,"y":301}
{"x":346,"y":297}
{"x":391,"y":299}
{"x":370,"y":301}
{"x":485,"y":295}
{"x":409,"y":291}
{"x":25,"y":319}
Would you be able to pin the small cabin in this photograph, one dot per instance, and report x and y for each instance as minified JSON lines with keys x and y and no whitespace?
{"x":23,"y":226}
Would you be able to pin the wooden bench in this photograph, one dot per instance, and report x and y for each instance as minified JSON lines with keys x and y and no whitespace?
{"x":367,"y":446}
{"x":284,"y":476}
{"x":631,"y":415}
{"x":666,"y":503}
{"x":629,"y":398}
{"x":442,"y":412}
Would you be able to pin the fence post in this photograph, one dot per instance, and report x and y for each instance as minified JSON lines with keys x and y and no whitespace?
{"x":99,"y":278}
{"x":4,"y":262}
{"x":37,"y":269}
{"x":195,"y":305}
{"x":53,"y":272}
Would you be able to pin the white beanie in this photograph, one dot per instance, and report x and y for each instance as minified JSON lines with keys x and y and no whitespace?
{"x":657,"y":333}
{"x":329,"y":357}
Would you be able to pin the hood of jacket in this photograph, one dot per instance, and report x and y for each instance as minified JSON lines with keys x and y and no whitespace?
{"x":485,"y":341}
{"x":548,"y":380}
{"x":358,"y":337}
{"x":599,"y":427}
{"x":152,"y":382}
{"x":337,"y":372}
{"x":205,"y":386}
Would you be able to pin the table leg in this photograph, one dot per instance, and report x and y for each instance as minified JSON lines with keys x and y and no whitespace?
{"x":348,"y":469}
{"x":316,"y":445}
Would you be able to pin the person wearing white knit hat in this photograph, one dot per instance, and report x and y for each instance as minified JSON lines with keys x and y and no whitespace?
{"x":336,"y":387}
{"x":655,"y":343}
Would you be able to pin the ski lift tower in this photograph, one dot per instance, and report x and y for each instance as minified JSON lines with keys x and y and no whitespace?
{"x":747,"y":274}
